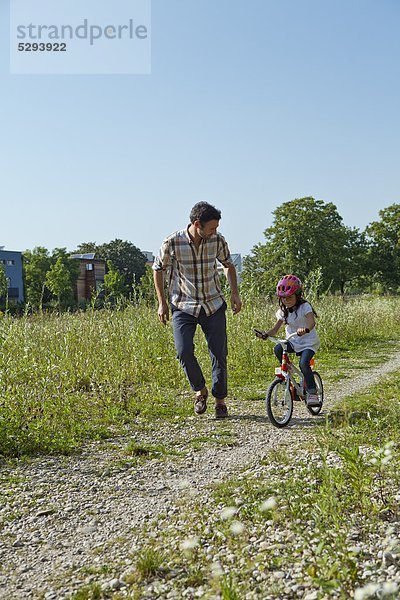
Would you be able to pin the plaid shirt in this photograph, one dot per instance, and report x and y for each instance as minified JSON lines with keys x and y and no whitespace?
{"x":193,"y":277}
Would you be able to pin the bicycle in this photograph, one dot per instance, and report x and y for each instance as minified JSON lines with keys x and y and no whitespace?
{"x":285,"y":390}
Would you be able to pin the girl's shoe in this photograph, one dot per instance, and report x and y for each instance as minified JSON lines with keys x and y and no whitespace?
{"x":312,"y":400}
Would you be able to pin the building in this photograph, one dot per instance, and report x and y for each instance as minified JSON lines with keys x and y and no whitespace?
{"x":12,"y":264}
{"x":149,"y":258}
{"x":237,"y":261}
{"x":91,"y":276}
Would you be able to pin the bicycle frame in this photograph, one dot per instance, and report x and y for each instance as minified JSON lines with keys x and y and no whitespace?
{"x":288,"y":369}
{"x":285,"y":389}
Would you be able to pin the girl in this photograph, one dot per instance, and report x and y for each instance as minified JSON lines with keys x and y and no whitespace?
{"x":299,"y":317}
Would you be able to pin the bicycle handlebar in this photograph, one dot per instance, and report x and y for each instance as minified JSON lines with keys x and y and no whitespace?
{"x":262,"y":335}
{"x":276,"y":341}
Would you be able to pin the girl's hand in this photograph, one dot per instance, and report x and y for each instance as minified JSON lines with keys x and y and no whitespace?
{"x":263,"y":335}
{"x":302,"y":331}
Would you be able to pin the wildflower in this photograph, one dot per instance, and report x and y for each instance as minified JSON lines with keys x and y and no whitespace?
{"x":228,"y":512}
{"x":366,"y":592}
{"x":389,"y":588}
{"x":383,"y":455}
{"x":236,"y":528}
{"x":269,"y":504}
{"x":390,"y":530}
{"x":190,"y":543}
{"x":216,"y":569}
{"x":359,"y":594}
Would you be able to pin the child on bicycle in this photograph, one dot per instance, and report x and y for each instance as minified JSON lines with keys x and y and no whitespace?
{"x":299,"y":317}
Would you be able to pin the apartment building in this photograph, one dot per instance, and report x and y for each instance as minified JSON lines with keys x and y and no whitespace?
{"x":12,"y":264}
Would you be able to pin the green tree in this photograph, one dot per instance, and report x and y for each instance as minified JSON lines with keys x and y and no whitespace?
{"x":306,"y":235}
{"x":114,"y":284}
{"x":36,"y":264}
{"x":126,"y":258}
{"x":72,"y":267}
{"x":353,"y":267}
{"x":87,"y":247}
{"x":147,"y":289}
{"x":3,"y":286}
{"x":384,"y":252}
{"x":58,"y":280}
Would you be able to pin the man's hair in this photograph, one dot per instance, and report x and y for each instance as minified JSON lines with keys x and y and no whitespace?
{"x":204,"y":212}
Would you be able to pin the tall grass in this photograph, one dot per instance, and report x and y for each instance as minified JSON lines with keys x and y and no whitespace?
{"x":353,"y":324}
{"x":70,"y":376}
{"x":66,"y":377}
{"x":357,"y":321}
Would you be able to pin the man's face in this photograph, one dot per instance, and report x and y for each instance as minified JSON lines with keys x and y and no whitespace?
{"x":208,"y":229}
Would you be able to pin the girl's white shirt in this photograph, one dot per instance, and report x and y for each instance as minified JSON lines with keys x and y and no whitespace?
{"x":297,"y":319}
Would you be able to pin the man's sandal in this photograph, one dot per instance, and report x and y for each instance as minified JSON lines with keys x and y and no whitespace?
{"x":200,"y":404}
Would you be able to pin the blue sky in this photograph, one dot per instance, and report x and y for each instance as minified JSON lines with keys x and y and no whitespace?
{"x":249,"y":104}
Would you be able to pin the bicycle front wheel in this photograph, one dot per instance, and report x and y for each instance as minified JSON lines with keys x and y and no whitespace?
{"x":315,"y":410}
{"x":279,"y":403}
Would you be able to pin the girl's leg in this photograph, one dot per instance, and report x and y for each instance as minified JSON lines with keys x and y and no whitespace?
{"x":305,"y":368}
{"x":278,"y":350}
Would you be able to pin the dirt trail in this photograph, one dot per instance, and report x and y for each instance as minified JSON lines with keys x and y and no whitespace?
{"x":66,"y":514}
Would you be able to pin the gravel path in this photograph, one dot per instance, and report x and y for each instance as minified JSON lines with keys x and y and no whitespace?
{"x":65,"y":514}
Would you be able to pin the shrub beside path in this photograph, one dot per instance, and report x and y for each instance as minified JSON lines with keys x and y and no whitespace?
{"x":63,"y":517}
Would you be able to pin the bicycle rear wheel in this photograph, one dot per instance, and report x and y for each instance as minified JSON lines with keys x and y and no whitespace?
{"x":315,"y":410}
{"x":279,"y":403}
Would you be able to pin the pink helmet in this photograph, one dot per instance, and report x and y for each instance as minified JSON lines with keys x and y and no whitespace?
{"x":288,"y":285}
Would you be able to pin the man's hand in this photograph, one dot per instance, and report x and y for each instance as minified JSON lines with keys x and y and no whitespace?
{"x":236,"y":303}
{"x":163,"y":313}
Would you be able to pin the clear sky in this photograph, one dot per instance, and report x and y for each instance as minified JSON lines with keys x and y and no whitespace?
{"x":250,"y":103}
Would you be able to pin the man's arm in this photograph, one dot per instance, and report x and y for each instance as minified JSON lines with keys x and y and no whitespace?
{"x":163,"y":310}
{"x":236,"y":302}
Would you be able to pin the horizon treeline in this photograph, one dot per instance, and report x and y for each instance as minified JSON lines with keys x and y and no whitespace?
{"x":307,"y":237}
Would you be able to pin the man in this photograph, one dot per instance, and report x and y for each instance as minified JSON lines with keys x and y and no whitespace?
{"x":196,"y":299}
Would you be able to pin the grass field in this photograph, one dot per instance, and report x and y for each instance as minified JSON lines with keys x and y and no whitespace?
{"x":66,"y":378}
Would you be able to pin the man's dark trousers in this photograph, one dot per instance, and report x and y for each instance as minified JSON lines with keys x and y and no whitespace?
{"x":214,"y":328}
